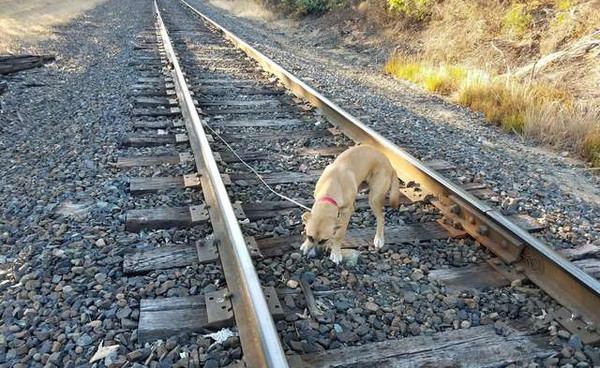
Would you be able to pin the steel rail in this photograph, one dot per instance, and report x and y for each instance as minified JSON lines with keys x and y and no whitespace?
{"x":258,"y":335}
{"x":565,"y":282}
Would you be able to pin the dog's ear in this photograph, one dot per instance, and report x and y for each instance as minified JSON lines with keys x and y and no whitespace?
{"x":305,"y":217}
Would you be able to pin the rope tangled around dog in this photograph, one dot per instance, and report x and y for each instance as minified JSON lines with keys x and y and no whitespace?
{"x":256,"y":172}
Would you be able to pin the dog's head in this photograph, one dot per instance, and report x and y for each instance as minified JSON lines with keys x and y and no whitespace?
{"x":319,"y":230}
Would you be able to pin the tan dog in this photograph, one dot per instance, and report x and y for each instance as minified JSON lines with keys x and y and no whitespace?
{"x":335,"y":195}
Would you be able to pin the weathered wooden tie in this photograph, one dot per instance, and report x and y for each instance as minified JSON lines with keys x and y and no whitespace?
{"x":165,"y":217}
{"x":152,"y":140}
{"x":15,"y":63}
{"x":286,"y":177}
{"x":172,"y":111}
{"x":236,"y":90}
{"x":145,"y":260}
{"x":273,"y":135}
{"x":158,"y":124}
{"x":167,"y":257}
{"x":242,"y":103}
{"x":158,"y":183}
{"x":269,"y":209}
{"x":475,"y":277}
{"x":128,"y":162}
{"x":470,"y":348}
{"x":271,"y":123}
{"x":277,"y":246}
{"x":155,"y":184}
{"x":162,"y":318}
{"x":155,"y":101}
{"x":280,"y":111}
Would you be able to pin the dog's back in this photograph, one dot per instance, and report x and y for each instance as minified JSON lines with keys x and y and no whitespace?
{"x":362,"y":161}
{"x":357,"y":165}
{"x":335,"y":197}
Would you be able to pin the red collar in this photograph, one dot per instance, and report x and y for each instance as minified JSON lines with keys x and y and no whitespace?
{"x":327,"y":199}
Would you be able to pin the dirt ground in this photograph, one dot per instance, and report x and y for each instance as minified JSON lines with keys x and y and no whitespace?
{"x":244,"y":9}
{"x":25,"y":22}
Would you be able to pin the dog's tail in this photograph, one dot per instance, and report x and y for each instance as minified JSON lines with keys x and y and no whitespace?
{"x":395,"y":191}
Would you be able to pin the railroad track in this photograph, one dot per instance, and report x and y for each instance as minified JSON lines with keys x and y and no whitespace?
{"x":223,"y":106}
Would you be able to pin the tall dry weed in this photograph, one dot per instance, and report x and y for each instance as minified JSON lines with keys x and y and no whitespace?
{"x":540,"y":111}
{"x":563,"y":126}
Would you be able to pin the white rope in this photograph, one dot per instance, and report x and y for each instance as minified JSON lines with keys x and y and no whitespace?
{"x":256,"y":173}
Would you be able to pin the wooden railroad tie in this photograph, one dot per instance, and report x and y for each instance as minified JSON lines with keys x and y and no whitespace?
{"x":158,"y":124}
{"x":128,"y":162}
{"x":155,"y":139}
{"x":474,"y":347}
{"x":146,"y":260}
{"x":16,"y":63}
{"x":165,"y":217}
{"x":168,"y":217}
{"x":162,"y":318}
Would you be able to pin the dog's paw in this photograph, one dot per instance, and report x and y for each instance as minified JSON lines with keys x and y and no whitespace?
{"x":379,"y":242}
{"x":306,"y":247}
{"x":335,"y":257}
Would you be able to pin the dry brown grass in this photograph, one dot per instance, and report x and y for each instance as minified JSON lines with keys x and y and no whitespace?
{"x":466,"y":49}
{"x":498,"y":36}
{"x":27,"y":21}
{"x":574,"y":127}
{"x":442,"y":78}
{"x":501,"y":104}
{"x":540,"y":111}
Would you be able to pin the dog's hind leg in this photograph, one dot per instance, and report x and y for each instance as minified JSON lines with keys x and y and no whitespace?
{"x":377,"y":194}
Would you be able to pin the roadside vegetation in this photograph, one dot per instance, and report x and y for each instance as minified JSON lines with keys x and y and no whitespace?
{"x":529,"y":66}
{"x":525,"y":92}
{"x":539,"y":111}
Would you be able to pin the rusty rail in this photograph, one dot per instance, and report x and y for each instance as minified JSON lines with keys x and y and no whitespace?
{"x":258,"y":335}
{"x":565,"y":282}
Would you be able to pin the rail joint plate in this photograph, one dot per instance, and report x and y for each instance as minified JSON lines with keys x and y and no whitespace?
{"x":586,"y":331}
{"x":191,"y":180}
{"x":218,"y":308}
{"x":273,"y":302}
{"x":481,"y":229}
{"x":199,"y":213}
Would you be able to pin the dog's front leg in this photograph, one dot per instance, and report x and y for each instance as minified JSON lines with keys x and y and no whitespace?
{"x":336,"y":252}
{"x":306,"y":247}
{"x":340,"y":235}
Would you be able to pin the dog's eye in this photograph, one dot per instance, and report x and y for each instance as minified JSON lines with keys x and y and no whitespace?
{"x":311,"y":239}
{"x":323,"y":241}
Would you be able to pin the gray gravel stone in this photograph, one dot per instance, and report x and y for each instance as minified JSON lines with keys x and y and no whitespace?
{"x":84,"y":340}
{"x":563,"y":334}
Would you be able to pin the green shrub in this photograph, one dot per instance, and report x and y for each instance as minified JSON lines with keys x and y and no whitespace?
{"x":564,"y":5}
{"x":313,"y":6}
{"x":563,"y":9}
{"x":592,"y":148}
{"x":518,"y":19}
{"x":415,"y":9}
